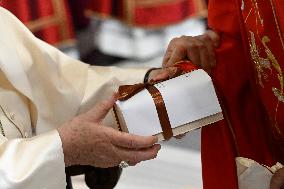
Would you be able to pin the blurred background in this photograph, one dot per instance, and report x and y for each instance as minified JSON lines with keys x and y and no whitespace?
{"x":126,"y":33}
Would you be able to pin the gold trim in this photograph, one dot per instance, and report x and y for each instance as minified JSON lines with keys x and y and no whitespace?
{"x":57,"y":18}
{"x":248,"y":15}
{"x":129,"y":7}
{"x":129,"y":13}
{"x":90,"y":14}
{"x":7,"y":116}
{"x":150,"y":3}
{"x":277,"y":24}
{"x":40,"y":23}
{"x":63,"y":27}
{"x":2,"y":129}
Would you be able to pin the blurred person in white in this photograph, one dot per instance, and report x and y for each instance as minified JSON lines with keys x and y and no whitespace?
{"x":141,"y":29}
{"x":43,"y":97}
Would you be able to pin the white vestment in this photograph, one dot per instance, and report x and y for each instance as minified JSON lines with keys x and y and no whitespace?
{"x":40,"y":89}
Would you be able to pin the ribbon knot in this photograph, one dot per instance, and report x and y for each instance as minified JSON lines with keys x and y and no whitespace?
{"x":125,"y":92}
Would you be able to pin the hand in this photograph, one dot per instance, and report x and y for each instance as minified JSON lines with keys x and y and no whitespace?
{"x":86,"y":142}
{"x":200,"y":50}
{"x":162,"y":74}
{"x":277,"y":181}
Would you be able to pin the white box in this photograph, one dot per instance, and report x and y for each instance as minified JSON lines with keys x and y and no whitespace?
{"x":190,"y":101}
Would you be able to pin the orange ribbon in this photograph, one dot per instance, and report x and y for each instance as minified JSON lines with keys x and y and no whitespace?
{"x":127,"y":91}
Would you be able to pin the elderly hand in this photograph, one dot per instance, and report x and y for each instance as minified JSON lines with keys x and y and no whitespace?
{"x":86,"y":142}
{"x":277,"y":181}
{"x":200,"y":50}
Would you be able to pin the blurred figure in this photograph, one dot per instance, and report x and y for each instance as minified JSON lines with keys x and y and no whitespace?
{"x":49,"y":20}
{"x":140,"y":29}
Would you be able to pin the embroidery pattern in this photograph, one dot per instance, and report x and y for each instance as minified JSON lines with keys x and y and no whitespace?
{"x":277,"y":92}
{"x":260,"y":63}
{"x":277,"y":25}
{"x":2,"y":129}
{"x":270,"y":62}
{"x":8,"y":117}
{"x":258,"y":17}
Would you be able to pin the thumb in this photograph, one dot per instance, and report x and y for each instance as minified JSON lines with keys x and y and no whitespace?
{"x":99,"y":112}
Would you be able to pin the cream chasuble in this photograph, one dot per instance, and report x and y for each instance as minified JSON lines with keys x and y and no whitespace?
{"x":40,"y":89}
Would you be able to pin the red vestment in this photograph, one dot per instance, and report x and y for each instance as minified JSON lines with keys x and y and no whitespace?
{"x":249,"y":80}
{"x":49,"y":20}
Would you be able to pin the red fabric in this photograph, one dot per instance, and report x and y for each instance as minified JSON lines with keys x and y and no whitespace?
{"x":249,"y":108}
{"x":186,"y":66}
{"x":30,"y":10}
{"x":152,"y":14}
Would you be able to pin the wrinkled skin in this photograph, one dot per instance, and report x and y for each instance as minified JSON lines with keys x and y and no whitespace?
{"x":87,"y":142}
{"x":200,"y":50}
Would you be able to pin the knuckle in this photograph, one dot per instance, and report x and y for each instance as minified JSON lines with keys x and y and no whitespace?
{"x":134,"y":158}
{"x":184,"y":37}
{"x":131,"y":143}
{"x":201,"y":45}
{"x":205,"y":37}
{"x":174,"y":40}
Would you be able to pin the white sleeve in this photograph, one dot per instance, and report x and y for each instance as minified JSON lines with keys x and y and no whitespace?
{"x":102,"y":82}
{"x":60,"y":88}
{"x":33,"y":163}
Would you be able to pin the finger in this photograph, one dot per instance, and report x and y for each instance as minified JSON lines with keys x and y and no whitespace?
{"x":98,"y":113}
{"x":166,"y":58}
{"x":204,"y":57}
{"x":178,"y":54}
{"x":126,"y":140}
{"x":210,"y":49}
{"x":164,"y":74}
{"x":214,"y":37}
{"x":193,"y":54}
{"x":136,"y":156}
{"x":132,"y":164}
{"x":172,"y":45}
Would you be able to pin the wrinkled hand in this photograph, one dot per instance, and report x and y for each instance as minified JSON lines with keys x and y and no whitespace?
{"x":86,"y":142}
{"x":200,"y":50}
{"x":277,"y":181}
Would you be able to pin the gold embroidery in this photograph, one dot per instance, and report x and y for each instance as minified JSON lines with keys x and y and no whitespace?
{"x":8,"y":117}
{"x":275,"y":65}
{"x":248,"y":15}
{"x":2,"y":129}
{"x":263,"y":65}
{"x":278,"y":94}
{"x":260,"y":63}
{"x":277,"y":25}
{"x":257,"y":12}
